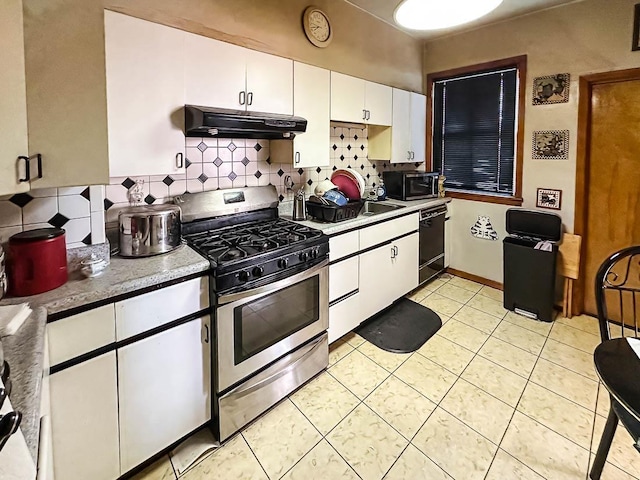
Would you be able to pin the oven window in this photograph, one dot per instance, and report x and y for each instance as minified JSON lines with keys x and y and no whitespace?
{"x":264,"y":322}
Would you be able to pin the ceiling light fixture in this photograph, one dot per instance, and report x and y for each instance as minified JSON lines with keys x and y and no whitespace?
{"x":436,"y":14}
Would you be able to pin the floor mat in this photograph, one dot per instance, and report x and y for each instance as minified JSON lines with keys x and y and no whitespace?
{"x":402,"y":328}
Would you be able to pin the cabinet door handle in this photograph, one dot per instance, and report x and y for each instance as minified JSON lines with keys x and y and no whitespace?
{"x":413,"y":155}
{"x":242,"y":97}
{"x":179,"y":160}
{"x":408,"y":154}
{"x":364,"y":114}
{"x":206,"y":333}
{"x":393,"y":252}
{"x":27,"y":169}
{"x":250,"y":98}
{"x":297,"y":157}
{"x":368,"y":114}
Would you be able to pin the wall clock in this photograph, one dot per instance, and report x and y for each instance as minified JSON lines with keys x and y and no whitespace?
{"x":317,"y":27}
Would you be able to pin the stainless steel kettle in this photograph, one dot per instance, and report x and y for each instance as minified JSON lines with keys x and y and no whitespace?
{"x":299,"y":206}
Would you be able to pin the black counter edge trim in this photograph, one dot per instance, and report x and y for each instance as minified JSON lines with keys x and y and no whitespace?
{"x":343,"y":297}
{"x":54,"y":317}
{"x":139,"y":468}
{"x":368,"y":249}
{"x":72,"y":362}
{"x":353,"y":229}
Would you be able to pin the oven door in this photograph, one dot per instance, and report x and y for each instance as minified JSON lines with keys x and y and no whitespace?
{"x":257,"y":327}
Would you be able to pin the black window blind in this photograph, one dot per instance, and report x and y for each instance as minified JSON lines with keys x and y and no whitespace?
{"x":474,"y":130}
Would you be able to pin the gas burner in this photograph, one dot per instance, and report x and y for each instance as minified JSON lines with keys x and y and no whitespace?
{"x":232,"y":254}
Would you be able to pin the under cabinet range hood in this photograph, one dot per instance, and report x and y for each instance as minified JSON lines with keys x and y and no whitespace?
{"x":225,"y":123}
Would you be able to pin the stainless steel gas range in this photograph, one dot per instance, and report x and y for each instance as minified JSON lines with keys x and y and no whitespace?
{"x":270,"y":292}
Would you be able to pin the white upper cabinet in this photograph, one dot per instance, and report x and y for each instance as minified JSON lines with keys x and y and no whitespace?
{"x":312,"y":92}
{"x":360,"y":101}
{"x":347,"y":98}
{"x":378,"y":103}
{"x":13,"y":100}
{"x":269,"y":83}
{"x":408,"y":135}
{"x":223,"y":75}
{"x":215,"y":73}
{"x":145,"y":96}
{"x":418,"y":126}
{"x":401,"y":130}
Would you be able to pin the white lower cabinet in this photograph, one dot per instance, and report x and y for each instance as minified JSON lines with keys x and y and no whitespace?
{"x":387,"y":273}
{"x":164,"y":389}
{"x":344,"y":316}
{"x":84,"y":420}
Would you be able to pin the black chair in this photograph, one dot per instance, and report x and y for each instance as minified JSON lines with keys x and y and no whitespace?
{"x":617,"y":289}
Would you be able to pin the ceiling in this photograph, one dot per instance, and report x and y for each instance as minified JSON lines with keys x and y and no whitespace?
{"x":383,"y":10}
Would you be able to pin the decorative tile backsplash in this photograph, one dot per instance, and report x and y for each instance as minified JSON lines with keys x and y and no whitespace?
{"x":211,"y":164}
{"x":226,"y":163}
{"x":79,"y":210}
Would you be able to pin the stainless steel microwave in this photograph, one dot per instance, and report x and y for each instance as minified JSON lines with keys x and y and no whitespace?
{"x":411,"y":185}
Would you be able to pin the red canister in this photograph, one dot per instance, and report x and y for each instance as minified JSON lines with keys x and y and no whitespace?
{"x":37,"y":261}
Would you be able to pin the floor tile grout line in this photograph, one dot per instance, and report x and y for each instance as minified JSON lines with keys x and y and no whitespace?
{"x":251,"y":449}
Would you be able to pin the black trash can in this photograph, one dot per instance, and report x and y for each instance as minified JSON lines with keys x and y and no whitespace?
{"x":530,"y":273}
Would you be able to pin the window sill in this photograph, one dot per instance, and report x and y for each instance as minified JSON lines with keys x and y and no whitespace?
{"x":477,"y":197}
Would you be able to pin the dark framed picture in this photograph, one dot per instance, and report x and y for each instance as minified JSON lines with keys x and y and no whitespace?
{"x":550,"y":145}
{"x":551,"y":89}
{"x":549,"y":198}
{"x":635,"y":44}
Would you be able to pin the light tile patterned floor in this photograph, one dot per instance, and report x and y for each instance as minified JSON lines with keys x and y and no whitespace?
{"x":492,"y":395}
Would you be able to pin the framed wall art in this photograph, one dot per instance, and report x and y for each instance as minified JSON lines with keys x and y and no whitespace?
{"x":551,"y":89}
{"x":549,"y":198}
{"x":550,"y":145}
{"x":635,"y":43}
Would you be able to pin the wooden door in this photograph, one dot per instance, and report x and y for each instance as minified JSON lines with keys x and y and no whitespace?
{"x":613,"y":186}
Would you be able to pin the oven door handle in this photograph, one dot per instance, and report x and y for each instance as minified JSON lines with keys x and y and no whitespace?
{"x":303,"y":354}
{"x":272,"y":287}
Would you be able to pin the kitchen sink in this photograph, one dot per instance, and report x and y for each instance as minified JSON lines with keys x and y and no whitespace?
{"x":374,"y":208}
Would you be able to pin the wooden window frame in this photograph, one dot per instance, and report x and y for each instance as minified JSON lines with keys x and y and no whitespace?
{"x":520,"y":62}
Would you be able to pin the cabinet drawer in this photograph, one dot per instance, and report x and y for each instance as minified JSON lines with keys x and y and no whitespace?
{"x":343,"y":278}
{"x":81,"y":333}
{"x":144,"y":312}
{"x":344,"y":316}
{"x":343,"y":245}
{"x":382,"y":232}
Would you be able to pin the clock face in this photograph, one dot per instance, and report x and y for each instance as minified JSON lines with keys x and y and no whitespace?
{"x":319,"y":26}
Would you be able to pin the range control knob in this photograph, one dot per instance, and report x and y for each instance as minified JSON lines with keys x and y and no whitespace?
{"x":304,"y":256}
{"x":314,"y":253}
{"x":283,"y":263}
{"x":258,"y":271}
{"x":243,"y":276}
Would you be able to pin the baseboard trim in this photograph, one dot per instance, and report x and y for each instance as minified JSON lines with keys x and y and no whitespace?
{"x":475,"y":278}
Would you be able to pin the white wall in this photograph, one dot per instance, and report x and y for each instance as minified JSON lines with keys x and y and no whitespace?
{"x":579,"y":38}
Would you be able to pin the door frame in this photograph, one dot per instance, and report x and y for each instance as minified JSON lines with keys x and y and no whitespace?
{"x":583,"y":164}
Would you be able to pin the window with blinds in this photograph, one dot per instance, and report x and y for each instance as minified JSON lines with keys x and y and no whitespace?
{"x":474,"y":131}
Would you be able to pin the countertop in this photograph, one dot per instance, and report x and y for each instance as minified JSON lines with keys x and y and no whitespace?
{"x":362,"y":221}
{"x":25,"y":350}
{"x":123,"y":275}
{"x":24,"y":353}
